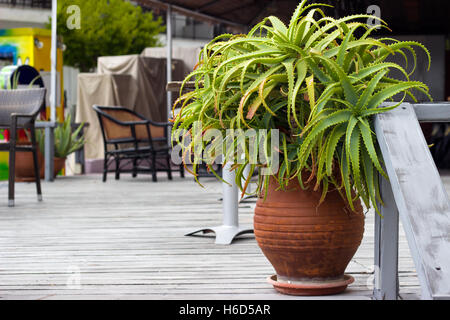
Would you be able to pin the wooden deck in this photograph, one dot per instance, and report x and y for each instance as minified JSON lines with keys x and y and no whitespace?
{"x":125,"y":240}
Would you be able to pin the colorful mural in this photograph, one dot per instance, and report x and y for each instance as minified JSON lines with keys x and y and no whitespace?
{"x":28,"y":46}
{"x":22,"y":45}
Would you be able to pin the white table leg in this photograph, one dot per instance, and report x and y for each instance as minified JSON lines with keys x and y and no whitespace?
{"x":230,"y":228}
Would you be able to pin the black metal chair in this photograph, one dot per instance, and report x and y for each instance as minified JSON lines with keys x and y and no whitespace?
{"x":18,"y":110}
{"x":130,"y":138}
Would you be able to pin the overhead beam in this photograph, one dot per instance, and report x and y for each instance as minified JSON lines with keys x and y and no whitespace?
{"x":240,"y":7}
{"x":190,"y":13}
{"x":433,"y":112}
{"x":206,"y":5}
{"x":259,"y":15}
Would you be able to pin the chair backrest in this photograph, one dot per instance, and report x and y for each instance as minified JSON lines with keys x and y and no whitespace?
{"x":110,"y":118}
{"x":20,"y":101}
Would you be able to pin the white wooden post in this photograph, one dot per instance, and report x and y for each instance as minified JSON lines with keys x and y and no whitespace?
{"x":386,"y":246}
{"x":419,"y":196}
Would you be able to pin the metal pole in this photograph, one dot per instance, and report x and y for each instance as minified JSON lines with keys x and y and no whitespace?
{"x":230,"y":229}
{"x":49,"y":141}
{"x":49,"y":153}
{"x":169,"y":58}
{"x":230,"y":197}
{"x":53,"y":62}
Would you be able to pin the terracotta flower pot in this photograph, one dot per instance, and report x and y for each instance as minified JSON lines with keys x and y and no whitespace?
{"x":58,"y":165}
{"x":24,"y":170}
{"x":309,"y":246}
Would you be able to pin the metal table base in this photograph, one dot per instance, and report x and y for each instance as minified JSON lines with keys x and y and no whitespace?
{"x":230,"y":229}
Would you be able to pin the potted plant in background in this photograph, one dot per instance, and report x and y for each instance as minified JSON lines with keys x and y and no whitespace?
{"x":14,"y":78}
{"x":319,"y":81}
{"x":67,"y":140}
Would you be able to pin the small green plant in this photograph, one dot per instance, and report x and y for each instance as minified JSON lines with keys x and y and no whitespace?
{"x":14,"y":84}
{"x":66,"y":141}
{"x":319,"y":81}
{"x":15,"y":81}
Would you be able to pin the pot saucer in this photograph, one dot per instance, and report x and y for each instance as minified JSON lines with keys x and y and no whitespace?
{"x":311,"y":288}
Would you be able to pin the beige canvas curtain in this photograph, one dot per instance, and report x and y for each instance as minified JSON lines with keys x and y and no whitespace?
{"x":189,"y":56}
{"x":106,"y":90}
{"x":132,"y":81}
{"x":149,"y":76}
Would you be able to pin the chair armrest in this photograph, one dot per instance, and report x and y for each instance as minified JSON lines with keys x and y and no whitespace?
{"x":45,"y":124}
{"x":132,"y":123}
{"x":15,"y":116}
{"x":159,"y":124}
{"x":138,"y":122}
{"x":20,"y":115}
{"x":14,"y":127}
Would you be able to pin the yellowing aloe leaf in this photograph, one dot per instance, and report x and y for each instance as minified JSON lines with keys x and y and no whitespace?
{"x":311,"y":95}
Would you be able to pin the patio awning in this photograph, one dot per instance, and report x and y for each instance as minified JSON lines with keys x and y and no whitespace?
{"x":234,"y":13}
{"x":403,"y":16}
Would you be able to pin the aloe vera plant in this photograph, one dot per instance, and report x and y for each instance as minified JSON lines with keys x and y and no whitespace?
{"x":319,"y":80}
{"x":66,"y":141}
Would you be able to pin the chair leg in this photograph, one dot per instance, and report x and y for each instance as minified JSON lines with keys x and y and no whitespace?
{"x":169,"y":167}
{"x":105,"y":168}
{"x":154,"y":178}
{"x":36,"y":165}
{"x":117,"y":168}
{"x":134,"y":168}
{"x":12,"y":168}
{"x":182,"y":170}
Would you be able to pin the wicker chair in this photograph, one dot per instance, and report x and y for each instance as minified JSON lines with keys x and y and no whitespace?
{"x":18,"y":110}
{"x":130,"y":138}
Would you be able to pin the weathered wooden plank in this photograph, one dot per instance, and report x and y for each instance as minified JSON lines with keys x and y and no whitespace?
{"x":186,"y":297}
{"x":432,"y":112}
{"x":155,"y":278}
{"x":348,"y":295}
{"x":127,"y":240}
{"x":175,"y":86}
{"x":420,"y":197}
{"x":386,"y":285}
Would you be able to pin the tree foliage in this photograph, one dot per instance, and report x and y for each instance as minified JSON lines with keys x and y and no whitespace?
{"x":107,"y":27}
